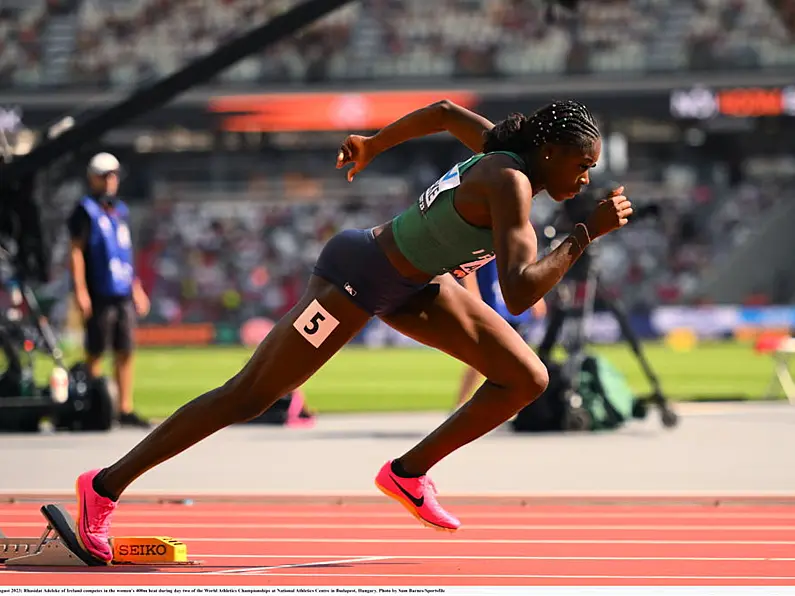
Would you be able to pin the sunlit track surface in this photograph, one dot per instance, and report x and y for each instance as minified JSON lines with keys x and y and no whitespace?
{"x":648,"y":541}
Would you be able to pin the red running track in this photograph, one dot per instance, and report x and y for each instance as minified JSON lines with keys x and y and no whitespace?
{"x":501,"y":543}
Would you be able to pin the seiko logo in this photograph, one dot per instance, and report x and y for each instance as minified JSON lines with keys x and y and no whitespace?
{"x":142,"y":550}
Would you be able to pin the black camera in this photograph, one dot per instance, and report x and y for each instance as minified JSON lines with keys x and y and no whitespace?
{"x":72,"y":400}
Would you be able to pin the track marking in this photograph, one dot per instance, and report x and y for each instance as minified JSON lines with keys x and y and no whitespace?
{"x":503,"y":521}
{"x":485,"y":558}
{"x":413,"y":526}
{"x":725,"y":499}
{"x":479,"y":541}
{"x":337,"y":559}
{"x":377,"y":514}
{"x":254,"y":570}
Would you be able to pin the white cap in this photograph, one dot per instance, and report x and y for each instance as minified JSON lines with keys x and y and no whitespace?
{"x":102,"y":164}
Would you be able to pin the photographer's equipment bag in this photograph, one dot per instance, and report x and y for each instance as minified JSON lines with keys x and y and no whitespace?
{"x":603,"y":400}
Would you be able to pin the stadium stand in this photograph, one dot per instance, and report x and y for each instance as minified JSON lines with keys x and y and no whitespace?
{"x":119,"y":43}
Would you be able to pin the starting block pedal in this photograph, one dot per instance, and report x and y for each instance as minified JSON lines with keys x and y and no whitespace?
{"x":58,"y":546}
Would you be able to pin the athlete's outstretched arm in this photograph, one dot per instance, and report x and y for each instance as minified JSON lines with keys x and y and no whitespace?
{"x":465,"y":125}
{"x":523,"y":280}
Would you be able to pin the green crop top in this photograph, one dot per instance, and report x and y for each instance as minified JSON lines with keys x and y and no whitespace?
{"x":435,"y":238}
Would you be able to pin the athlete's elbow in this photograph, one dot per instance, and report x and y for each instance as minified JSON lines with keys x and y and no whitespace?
{"x":515,"y":302}
{"x":444,"y":105}
{"x":514,"y":308}
{"x":519,"y":294}
{"x":446,"y":109}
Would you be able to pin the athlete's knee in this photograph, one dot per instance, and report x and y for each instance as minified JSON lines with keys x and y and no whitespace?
{"x":526,"y":379}
{"x":535,"y":379}
{"x":539,"y":378}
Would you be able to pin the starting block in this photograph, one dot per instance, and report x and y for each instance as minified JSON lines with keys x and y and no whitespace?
{"x":58,"y":547}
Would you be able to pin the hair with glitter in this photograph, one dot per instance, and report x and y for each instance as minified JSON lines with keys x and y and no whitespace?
{"x":559,"y":123}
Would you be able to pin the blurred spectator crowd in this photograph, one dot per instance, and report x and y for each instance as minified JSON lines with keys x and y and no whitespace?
{"x":238,"y":256}
{"x":119,"y":43}
{"x":661,"y":258}
{"x":229,"y":262}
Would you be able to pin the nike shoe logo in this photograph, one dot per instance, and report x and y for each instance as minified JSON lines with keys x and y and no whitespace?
{"x":417,"y":502}
{"x":93,"y":541}
{"x":83,"y":523}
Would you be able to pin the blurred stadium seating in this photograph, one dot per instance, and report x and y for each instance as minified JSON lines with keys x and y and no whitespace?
{"x":247,"y":247}
{"x":118,"y":43}
{"x":233,"y":259}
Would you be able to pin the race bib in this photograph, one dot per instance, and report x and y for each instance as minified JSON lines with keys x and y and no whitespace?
{"x":450,"y":180}
{"x":465,"y":269}
{"x":315,"y":324}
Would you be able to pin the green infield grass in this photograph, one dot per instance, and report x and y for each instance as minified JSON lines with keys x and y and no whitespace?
{"x":409,"y":379}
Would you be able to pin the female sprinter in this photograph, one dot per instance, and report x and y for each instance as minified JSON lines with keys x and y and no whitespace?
{"x":398,"y":271}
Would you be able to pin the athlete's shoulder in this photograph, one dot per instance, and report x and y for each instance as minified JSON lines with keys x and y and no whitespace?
{"x":512,"y":157}
{"x":502,"y":173}
{"x":501,"y":164}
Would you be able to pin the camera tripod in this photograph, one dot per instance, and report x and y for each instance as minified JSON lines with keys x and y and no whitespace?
{"x":564,"y":306}
{"x":73,"y":400}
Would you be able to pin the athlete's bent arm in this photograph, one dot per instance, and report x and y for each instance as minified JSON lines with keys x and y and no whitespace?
{"x":523,"y":280}
{"x":465,"y":125}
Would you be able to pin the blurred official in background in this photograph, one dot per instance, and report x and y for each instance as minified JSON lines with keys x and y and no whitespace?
{"x":108,"y":293}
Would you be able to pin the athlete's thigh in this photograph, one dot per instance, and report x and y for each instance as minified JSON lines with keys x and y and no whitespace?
{"x":303,"y":340}
{"x":448,"y":317}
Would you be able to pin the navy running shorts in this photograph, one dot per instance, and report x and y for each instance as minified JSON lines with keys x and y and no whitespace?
{"x":354,"y":262}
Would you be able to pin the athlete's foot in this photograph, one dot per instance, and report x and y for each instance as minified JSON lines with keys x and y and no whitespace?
{"x":94,"y":513}
{"x":418,"y":496}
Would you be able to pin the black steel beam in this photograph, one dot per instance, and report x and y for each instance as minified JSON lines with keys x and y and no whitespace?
{"x":162,"y":91}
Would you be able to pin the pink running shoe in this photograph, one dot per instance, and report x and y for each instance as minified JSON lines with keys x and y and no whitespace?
{"x":94,"y":513}
{"x":418,"y":496}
